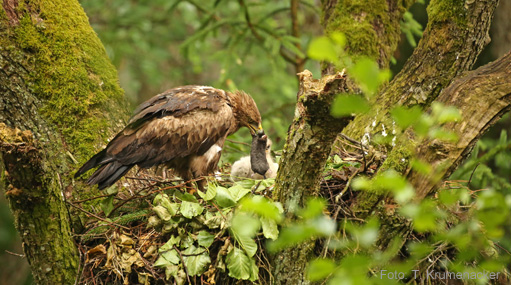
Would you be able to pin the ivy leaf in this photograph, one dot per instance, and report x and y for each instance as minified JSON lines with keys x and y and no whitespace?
{"x":261,"y":206}
{"x":224,"y":198}
{"x":196,"y":260}
{"x":186,"y":197}
{"x":173,"y":240}
{"x":168,"y":258}
{"x":214,"y":222}
{"x":162,"y":213}
{"x":190,"y":209}
{"x":205,"y":239}
{"x":238,"y":191}
{"x":210,"y":193}
{"x":246,"y":242}
{"x":239,"y":264}
{"x":270,"y":229}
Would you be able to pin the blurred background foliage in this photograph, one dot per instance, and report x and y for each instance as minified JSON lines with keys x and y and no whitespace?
{"x":249,"y":45}
{"x":246,"y":45}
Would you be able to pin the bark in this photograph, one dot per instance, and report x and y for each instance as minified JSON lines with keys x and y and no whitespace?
{"x":313,"y":130}
{"x":456,"y":33}
{"x":454,"y":37}
{"x":371,"y":28}
{"x":482,"y":96}
{"x":58,"y":89}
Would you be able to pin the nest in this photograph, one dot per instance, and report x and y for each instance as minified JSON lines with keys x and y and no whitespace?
{"x":130,"y":243}
{"x":123,"y":244}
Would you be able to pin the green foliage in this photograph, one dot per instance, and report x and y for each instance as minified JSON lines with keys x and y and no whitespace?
{"x":364,"y":71}
{"x":460,"y":229}
{"x":226,"y":44}
{"x":196,"y":226}
{"x":345,"y":105}
{"x":411,"y":28}
{"x":427,"y":125}
{"x":313,"y":224}
{"x":489,"y":164}
{"x":387,"y":181}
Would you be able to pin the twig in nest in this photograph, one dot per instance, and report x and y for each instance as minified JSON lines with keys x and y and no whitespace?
{"x":184,"y":265}
{"x":98,"y":217}
{"x":338,"y":197}
{"x":220,"y":211}
{"x":233,"y":141}
{"x":150,"y":179}
{"x":357,"y":143}
{"x":256,"y":187}
{"x":92,"y":198}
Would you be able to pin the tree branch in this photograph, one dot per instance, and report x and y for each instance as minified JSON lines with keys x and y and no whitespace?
{"x":454,"y":37}
{"x":483,"y":96}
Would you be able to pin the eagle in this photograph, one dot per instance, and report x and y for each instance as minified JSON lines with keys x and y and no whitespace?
{"x":183,"y":128}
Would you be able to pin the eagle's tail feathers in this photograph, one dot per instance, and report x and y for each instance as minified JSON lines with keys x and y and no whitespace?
{"x":108,"y":174}
{"x":98,"y":159}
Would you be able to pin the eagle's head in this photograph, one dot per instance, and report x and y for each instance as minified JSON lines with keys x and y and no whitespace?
{"x":246,"y":112}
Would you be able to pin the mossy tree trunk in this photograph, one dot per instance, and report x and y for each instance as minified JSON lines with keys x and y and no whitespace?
{"x":60,"y":100}
{"x":374,"y":32}
{"x":456,"y":33}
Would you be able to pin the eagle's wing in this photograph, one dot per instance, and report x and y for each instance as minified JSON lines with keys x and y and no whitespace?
{"x":179,"y":101}
{"x":178,"y":123}
{"x":160,"y":140}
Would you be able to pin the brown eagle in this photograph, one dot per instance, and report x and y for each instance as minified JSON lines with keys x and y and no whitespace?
{"x":184,"y":128}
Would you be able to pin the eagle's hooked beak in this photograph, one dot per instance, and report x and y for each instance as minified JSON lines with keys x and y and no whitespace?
{"x":254,"y":129}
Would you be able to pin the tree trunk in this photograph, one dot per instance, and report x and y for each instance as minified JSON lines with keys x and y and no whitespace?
{"x":313,"y":130}
{"x":450,"y":45}
{"x":456,"y":34}
{"x":58,"y":89}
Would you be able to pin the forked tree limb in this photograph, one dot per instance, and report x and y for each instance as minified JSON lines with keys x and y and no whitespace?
{"x":482,"y":96}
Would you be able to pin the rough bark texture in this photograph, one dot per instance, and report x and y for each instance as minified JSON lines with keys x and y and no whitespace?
{"x":372,"y":28}
{"x":312,"y":132}
{"x":455,"y":35}
{"x":372,"y":31}
{"x":58,"y":89}
{"x":482,"y":96}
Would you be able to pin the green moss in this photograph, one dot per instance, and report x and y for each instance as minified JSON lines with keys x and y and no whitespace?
{"x":447,"y":11}
{"x":354,"y":21}
{"x":362,"y":21}
{"x":72,"y":73}
{"x":399,"y":158}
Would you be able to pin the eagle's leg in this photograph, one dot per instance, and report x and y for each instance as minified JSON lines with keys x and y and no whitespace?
{"x":201,"y":183}
{"x":189,"y":185}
